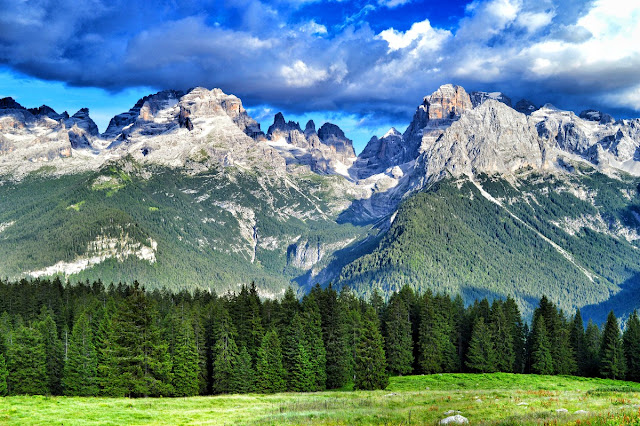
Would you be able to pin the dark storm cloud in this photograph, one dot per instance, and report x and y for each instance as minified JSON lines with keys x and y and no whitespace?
{"x":272,"y":54}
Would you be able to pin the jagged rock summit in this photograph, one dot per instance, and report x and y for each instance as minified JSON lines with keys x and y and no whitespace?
{"x":326,"y":151}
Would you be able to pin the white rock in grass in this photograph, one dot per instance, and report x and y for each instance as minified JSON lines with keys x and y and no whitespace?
{"x":562,"y":411}
{"x":454,"y":420}
{"x":581,"y":412}
{"x":522,"y":403}
{"x":452,"y":412}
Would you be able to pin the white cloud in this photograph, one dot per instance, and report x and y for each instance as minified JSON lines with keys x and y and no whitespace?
{"x":533,"y":21}
{"x":428,"y":37}
{"x":301,"y":75}
{"x":393,"y":3}
{"x":312,"y":27}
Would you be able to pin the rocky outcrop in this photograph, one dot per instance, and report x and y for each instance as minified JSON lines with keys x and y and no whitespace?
{"x":145,"y":109}
{"x":478,"y":98}
{"x":525,"y":106}
{"x":334,"y":137}
{"x":594,"y":115}
{"x":326,"y":151}
{"x":492,"y":138}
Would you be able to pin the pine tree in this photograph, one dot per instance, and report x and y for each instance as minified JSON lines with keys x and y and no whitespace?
{"x":612,"y":359}
{"x":398,"y":338}
{"x":370,"y":366}
{"x":108,"y":376}
{"x":518,"y":333}
{"x":577,"y":342}
{"x":631,"y":343}
{"x":81,"y":368}
{"x":335,"y":340}
{"x":243,"y":379}
{"x":436,"y":350}
{"x":502,"y":337}
{"x":566,"y":363}
{"x":27,"y":363}
{"x":481,"y":356}
{"x":592,"y":343}
{"x":270,"y":372}
{"x":53,"y":350}
{"x":312,"y":324}
{"x":225,"y":356}
{"x":541,"y":361}
{"x":142,"y":360}
{"x":3,"y":376}
{"x":6,"y":333}
{"x":186,"y":368}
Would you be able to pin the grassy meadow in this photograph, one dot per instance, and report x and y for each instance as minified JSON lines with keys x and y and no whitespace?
{"x":498,"y":398}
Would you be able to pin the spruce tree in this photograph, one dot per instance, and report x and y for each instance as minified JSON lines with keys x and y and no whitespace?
{"x":270,"y":372}
{"x":370,"y":362}
{"x":577,"y":342}
{"x":3,"y":376}
{"x":398,"y":338}
{"x":142,"y":359}
{"x":81,"y":368}
{"x":631,"y":343}
{"x":502,"y":337}
{"x":53,"y":350}
{"x":186,"y":368}
{"x":437,"y":352}
{"x":541,"y":361}
{"x":518,"y":333}
{"x":243,"y":379}
{"x":612,"y":359}
{"x":312,"y":324}
{"x":109,"y":380}
{"x":27,"y":363}
{"x":592,"y":343}
{"x":334,"y":336}
{"x":225,"y":355}
{"x":566,"y":363}
{"x":481,"y":356}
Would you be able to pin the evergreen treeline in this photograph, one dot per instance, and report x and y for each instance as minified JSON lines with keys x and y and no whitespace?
{"x":88,"y":339}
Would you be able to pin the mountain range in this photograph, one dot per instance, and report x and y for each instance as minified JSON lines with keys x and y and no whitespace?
{"x":478,"y":196}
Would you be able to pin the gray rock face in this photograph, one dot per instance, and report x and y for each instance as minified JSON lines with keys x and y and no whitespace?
{"x":333,"y":136}
{"x":492,"y":138}
{"x":144,"y":109}
{"x":594,"y":115}
{"x":327,"y":151}
{"x":380,"y":154}
{"x":304,"y":254}
{"x":478,"y":98}
{"x":525,"y":106}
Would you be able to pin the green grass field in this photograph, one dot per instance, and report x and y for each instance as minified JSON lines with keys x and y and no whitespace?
{"x":482,"y":398}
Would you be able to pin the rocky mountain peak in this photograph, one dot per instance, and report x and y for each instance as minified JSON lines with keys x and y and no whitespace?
{"x":392,"y":132}
{"x":594,"y":115}
{"x":331,"y":134}
{"x":448,"y":102}
{"x":46,"y":111}
{"x":525,"y":106}
{"x":281,"y":125}
{"x":478,"y":98}
{"x":10,"y":103}
{"x":310,"y":127}
{"x":82,"y":120}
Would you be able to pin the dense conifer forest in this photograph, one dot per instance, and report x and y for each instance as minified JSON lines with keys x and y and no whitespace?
{"x":90,"y":339}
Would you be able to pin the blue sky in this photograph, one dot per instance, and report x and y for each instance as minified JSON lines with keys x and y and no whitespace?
{"x":363,"y":64}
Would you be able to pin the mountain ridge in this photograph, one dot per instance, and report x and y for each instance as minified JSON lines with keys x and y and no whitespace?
{"x":297,"y":205}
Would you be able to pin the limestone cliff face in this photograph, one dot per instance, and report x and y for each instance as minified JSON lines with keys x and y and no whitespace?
{"x":29,"y":137}
{"x":492,"y":138}
{"x":326,"y":151}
